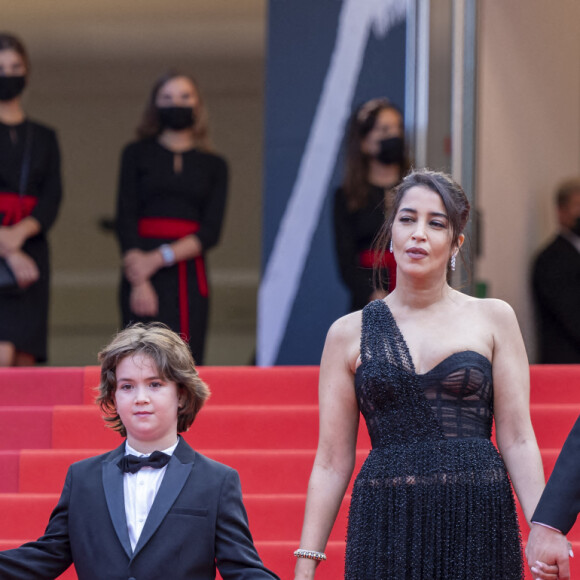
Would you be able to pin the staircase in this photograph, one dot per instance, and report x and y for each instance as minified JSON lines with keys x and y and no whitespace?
{"x":262,"y":422}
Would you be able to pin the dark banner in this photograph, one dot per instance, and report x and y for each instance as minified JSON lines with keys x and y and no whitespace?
{"x":324,"y":58}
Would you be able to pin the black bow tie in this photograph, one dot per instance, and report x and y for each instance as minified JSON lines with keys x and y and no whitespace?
{"x":132,"y":463}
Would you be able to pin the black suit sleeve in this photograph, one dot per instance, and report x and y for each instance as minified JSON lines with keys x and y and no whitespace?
{"x":560,"y":503}
{"x":236,"y":556}
{"x":50,"y":555}
{"x":555,"y":293}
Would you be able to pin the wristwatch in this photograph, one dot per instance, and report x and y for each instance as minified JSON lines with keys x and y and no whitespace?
{"x":167,"y":254}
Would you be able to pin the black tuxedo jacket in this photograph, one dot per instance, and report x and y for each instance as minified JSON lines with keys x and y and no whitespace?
{"x":197,"y":520}
{"x":560,"y":503}
{"x":556,"y":287}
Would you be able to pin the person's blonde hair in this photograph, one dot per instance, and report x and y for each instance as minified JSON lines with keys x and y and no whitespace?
{"x":173,"y":360}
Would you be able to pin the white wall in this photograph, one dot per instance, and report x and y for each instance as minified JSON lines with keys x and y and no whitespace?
{"x":528,"y":136}
{"x":93,"y":64}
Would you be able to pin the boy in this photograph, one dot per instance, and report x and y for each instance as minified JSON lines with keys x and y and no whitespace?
{"x":153,"y":508}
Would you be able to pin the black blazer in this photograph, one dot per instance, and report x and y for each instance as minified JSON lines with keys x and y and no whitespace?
{"x":197,"y":520}
{"x":556,"y":288}
{"x":560,"y":503}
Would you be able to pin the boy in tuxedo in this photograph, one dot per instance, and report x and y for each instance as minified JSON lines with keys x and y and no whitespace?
{"x":153,"y":508}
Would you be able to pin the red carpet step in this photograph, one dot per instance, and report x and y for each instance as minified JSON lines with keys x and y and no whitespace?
{"x":263,"y":422}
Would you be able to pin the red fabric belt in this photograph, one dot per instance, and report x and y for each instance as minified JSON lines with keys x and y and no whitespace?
{"x":386,"y":260}
{"x":173,"y":229}
{"x":15,"y":207}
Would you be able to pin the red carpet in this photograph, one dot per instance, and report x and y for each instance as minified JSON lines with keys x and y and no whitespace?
{"x":262,"y":422}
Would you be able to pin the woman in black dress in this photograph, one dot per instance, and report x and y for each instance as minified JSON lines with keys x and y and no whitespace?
{"x":30,"y":194}
{"x":171,"y":202}
{"x":430,"y":369}
{"x":376,"y":161}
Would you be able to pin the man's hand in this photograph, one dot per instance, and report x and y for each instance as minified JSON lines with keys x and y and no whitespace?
{"x":548,"y":553}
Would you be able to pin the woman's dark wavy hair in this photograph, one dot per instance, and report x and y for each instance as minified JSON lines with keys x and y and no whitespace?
{"x":355,"y":183}
{"x":150,"y":125}
{"x":173,"y":360}
{"x":11,"y":42}
{"x":452,"y":195}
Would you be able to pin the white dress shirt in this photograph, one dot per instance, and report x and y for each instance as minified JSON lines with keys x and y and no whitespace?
{"x":140,"y":490}
{"x":571,"y":237}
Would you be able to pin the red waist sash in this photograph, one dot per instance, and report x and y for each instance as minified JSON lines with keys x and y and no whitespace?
{"x":15,"y":207}
{"x":372,"y":258}
{"x":173,"y":229}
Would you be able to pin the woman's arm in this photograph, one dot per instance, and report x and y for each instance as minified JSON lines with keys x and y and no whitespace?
{"x":514,"y":431}
{"x":13,"y":237}
{"x":214,"y":210}
{"x":338,"y":427}
{"x":356,"y":279}
{"x":140,"y":266}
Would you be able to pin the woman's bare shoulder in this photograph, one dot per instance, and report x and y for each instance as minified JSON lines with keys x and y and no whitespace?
{"x":492,"y":311}
{"x":343,"y":341}
{"x":346,"y":327}
{"x":493,"y":307}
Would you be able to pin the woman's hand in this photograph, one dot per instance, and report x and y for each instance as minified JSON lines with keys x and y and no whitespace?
{"x":23,"y":267}
{"x":143,"y":300}
{"x":11,"y":240}
{"x":139,"y":266}
{"x":541,"y":571}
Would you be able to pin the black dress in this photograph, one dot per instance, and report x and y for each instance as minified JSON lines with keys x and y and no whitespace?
{"x":354,"y":234}
{"x":150,"y":188}
{"x":24,"y":314}
{"x":433,"y":499}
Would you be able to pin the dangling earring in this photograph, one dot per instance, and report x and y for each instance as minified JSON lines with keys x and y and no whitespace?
{"x":453,"y":263}
{"x":391,"y":247}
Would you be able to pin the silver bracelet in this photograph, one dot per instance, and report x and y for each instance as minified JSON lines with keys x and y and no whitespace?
{"x":310,"y":554}
{"x":167,"y":254}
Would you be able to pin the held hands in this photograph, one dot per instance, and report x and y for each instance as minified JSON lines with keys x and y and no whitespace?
{"x":23,"y":267}
{"x":139,"y":266}
{"x":548,"y":553}
{"x":143,"y":300}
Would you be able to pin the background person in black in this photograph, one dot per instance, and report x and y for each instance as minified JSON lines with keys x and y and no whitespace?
{"x":25,"y":216}
{"x":556,"y":283}
{"x":376,"y":161}
{"x":171,"y":202}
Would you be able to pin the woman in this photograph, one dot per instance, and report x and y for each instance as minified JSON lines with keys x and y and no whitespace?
{"x":375,"y":162}
{"x":171,"y":202}
{"x":30,"y":195}
{"x":429,"y":368}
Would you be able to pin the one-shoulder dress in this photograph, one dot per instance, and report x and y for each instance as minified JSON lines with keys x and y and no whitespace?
{"x":433,"y":499}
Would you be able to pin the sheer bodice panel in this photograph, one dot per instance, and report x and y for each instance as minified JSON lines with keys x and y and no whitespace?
{"x":454,"y":399}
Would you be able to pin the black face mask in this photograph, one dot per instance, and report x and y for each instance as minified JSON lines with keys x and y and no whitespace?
{"x":11,"y":87}
{"x":576,"y":227}
{"x":391,"y":151}
{"x":176,"y":118}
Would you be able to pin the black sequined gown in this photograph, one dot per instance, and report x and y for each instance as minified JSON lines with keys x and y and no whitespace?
{"x":433,"y":499}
